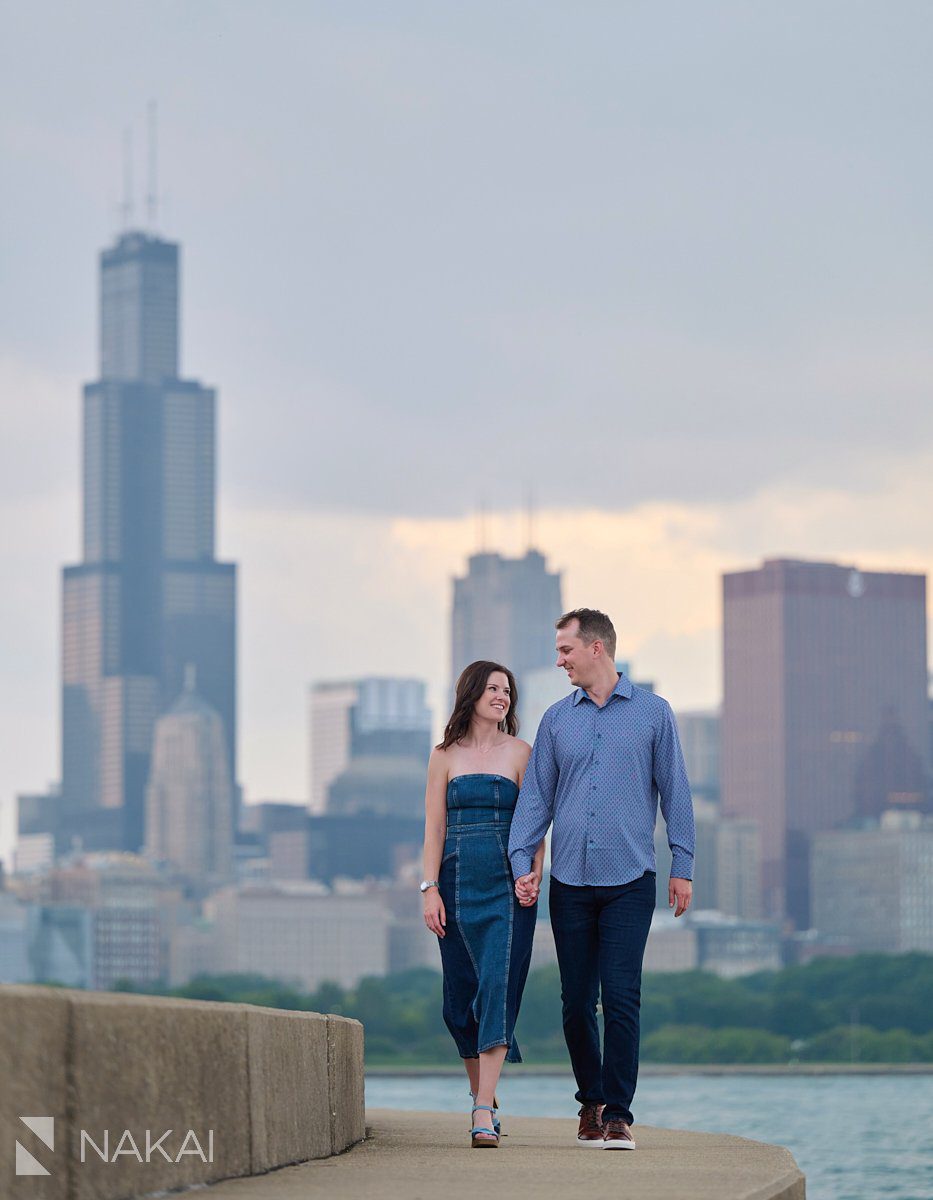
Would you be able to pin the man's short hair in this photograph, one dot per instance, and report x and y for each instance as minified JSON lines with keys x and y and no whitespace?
{"x":595,"y":626}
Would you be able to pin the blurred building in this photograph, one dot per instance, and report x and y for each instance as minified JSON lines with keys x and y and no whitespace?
{"x":61,"y":944}
{"x":380,"y":785}
{"x":539,"y":689}
{"x":727,"y":864}
{"x":15,"y":966}
{"x":330,"y":708}
{"x":824,"y":710}
{"x":672,"y":944}
{"x":37,"y":820}
{"x":738,"y":869}
{"x":710,"y":941}
{"x":275,"y":834}
{"x":97,"y":919}
{"x":193,"y":951}
{"x":300,"y":933}
{"x":189,"y":801}
{"x":363,"y":845}
{"x":871,"y":886}
{"x":504,"y":610}
{"x":730,"y":946}
{"x":370,"y":718}
{"x":148,"y":596}
{"x":700,"y":736}
{"x":370,"y":744}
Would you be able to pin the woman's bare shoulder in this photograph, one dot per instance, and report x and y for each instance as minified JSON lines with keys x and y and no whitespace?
{"x":439,"y":760}
{"x":522,"y":751}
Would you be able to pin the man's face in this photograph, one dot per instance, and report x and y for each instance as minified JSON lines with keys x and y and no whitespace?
{"x":574,"y":655}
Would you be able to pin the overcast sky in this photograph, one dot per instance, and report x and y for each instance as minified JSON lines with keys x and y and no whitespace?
{"x":667,"y":265}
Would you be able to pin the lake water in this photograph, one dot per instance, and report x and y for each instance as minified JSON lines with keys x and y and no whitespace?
{"x":856,"y":1137}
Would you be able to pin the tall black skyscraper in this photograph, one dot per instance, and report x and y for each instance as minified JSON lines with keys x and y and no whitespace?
{"x":149,"y":596}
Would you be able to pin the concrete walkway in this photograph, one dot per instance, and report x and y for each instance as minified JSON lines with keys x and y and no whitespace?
{"x":427,"y":1156}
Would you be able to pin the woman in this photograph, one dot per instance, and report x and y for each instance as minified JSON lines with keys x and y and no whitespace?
{"x":484,"y":932}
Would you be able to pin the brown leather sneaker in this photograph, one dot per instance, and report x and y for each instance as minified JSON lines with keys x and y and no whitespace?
{"x":617,"y":1135}
{"x":590,"y":1131}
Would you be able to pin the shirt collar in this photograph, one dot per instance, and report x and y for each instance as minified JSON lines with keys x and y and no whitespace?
{"x":622,"y":688}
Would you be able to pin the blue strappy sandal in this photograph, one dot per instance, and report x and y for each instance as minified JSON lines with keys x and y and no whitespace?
{"x":491,"y":1142}
{"x":496,"y":1123}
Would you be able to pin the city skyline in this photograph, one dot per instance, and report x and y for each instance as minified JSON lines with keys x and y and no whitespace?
{"x":692,"y":369}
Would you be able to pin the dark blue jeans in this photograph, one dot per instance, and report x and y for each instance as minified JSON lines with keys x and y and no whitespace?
{"x":600,"y":934}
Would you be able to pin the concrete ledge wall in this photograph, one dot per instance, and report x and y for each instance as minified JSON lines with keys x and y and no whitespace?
{"x":274,"y":1087}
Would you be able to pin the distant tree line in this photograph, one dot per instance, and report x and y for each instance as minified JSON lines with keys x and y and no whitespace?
{"x":869,"y":1008}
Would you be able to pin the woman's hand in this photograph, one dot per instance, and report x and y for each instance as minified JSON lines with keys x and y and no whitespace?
{"x":528,"y":887}
{"x":434,"y":915}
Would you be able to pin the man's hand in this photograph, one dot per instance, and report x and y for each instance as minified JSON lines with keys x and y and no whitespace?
{"x":679,"y":892}
{"x":527,"y":888}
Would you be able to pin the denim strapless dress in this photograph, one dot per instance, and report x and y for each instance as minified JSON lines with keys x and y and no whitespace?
{"x":487,"y":947}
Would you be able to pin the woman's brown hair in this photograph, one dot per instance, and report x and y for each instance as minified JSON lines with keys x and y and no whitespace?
{"x":470,"y":686}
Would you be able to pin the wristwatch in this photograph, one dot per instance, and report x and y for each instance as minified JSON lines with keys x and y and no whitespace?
{"x":427,"y":883}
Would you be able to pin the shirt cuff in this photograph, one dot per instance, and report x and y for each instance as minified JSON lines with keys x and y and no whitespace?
{"x":521,"y":863}
{"x":681,"y":865}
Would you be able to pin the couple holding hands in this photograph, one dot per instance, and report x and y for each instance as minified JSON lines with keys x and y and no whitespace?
{"x":602,"y":759}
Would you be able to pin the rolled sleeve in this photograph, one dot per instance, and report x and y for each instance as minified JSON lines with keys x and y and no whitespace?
{"x":670,"y":779}
{"x":534,"y":809}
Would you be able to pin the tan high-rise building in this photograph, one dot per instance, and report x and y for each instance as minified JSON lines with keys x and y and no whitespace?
{"x":189,"y":801}
{"x":824,"y":708}
{"x":375,"y":716}
{"x":331,"y":737}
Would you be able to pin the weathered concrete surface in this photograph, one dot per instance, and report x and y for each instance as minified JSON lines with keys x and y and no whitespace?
{"x":145,"y":1063}
{"x":255,"y":1088}
{"x":288,"y":1059}
{"x":424,"y":1156}
{"x":347,"y":1086}
{"x":33,"y":1083}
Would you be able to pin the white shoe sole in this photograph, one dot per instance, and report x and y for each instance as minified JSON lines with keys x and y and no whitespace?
{"x":590,"y":1142}
{"x":617,"y":1145}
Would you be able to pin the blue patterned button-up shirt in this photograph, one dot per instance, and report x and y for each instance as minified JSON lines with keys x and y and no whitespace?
{"x":597,"y":774}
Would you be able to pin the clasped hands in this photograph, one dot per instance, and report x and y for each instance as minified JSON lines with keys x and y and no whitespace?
{"x":527,"y":888}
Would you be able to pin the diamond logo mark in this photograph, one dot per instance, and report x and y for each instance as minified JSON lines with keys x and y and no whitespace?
{"x":44,"y":1129}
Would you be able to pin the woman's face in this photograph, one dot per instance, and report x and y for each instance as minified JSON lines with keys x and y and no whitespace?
{"x":496,"y":699}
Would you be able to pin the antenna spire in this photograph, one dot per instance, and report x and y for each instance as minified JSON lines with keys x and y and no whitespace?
{"x":152,"y":197}
{"x":127,"y":206}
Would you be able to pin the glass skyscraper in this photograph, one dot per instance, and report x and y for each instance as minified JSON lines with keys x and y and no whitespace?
{"x":504,"y":610}
{"x":149,"y":596}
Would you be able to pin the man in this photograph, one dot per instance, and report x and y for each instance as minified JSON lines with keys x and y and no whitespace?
{"x":602,"y":757}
